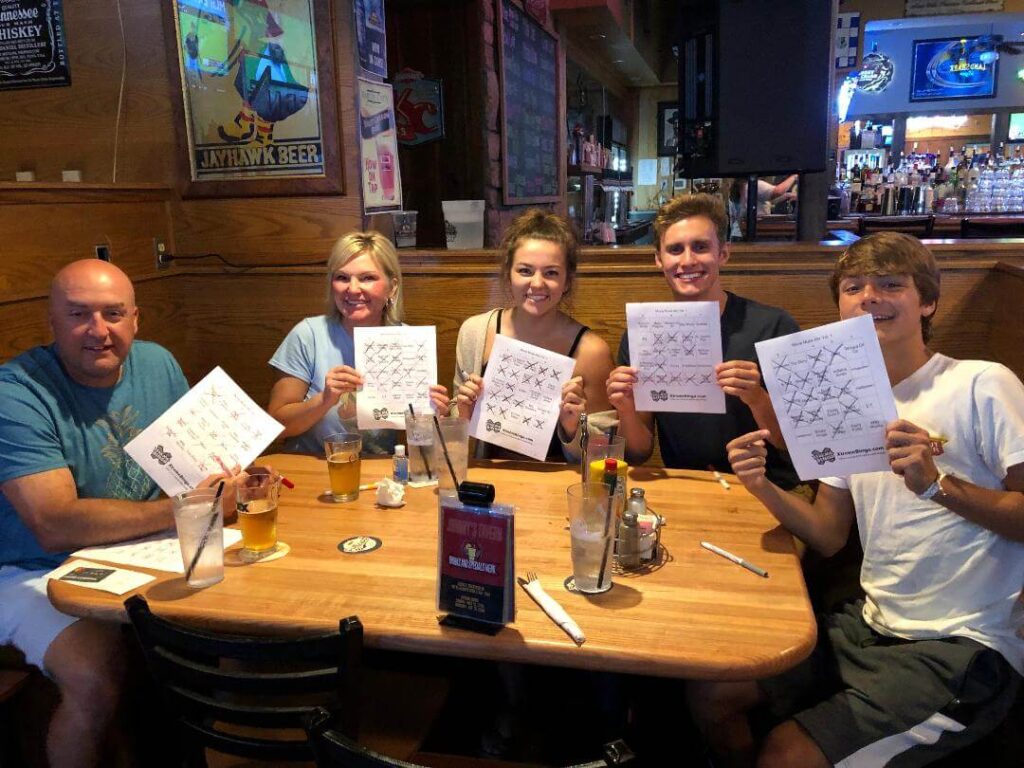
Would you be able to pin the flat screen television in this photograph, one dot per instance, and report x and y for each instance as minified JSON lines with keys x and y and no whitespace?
{"x":1016,"y":127}
{"x":952,"y":68}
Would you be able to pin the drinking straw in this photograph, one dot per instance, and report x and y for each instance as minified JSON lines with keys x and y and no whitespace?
{"x":584,"y":442}
{"x":209,"y":530}
{"x":444,"y":447}
{"x":613,"y":465}
{"x":423,"y":453}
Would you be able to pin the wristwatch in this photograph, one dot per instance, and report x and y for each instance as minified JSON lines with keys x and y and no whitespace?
{"x":934,"y":488}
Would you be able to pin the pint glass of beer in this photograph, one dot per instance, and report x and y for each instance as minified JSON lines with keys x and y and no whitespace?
{"x":342,"y":451}
{"x":257,"y":515}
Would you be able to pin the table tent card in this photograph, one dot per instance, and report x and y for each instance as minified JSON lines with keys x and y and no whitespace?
{"x":832,"y":397}
{"x":213,"y":423}
{"x":476,"y":560}
{"x":676,"y":345}
{"x":398,"y":364}
{"x":522,"y":397}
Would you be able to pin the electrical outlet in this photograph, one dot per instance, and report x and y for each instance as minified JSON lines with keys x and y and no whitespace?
{"x":103,"y":252}
{"x":160,"y":253}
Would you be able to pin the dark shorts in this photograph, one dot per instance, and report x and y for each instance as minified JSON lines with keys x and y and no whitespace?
{"x":870,"y":700}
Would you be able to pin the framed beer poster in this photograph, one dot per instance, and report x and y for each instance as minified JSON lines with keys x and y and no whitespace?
{"x":258,"y":107}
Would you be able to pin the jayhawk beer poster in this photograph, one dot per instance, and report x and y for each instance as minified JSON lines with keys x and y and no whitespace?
{"x":378,"y":148}
{"x":249,"y":83}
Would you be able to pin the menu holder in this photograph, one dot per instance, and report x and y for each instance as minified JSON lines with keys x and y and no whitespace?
{"x":475,"y":564}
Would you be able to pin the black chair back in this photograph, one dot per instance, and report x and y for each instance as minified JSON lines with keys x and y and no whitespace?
{"x":230,"y":692}
{"x":333,"y":749}
{"x":921,"y":226}
{"x":991,"y":227}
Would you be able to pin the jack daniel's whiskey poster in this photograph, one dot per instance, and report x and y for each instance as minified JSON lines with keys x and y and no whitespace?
{"x":33,"y":53}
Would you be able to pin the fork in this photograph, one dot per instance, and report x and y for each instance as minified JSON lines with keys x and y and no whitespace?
{"x":531,"y":576}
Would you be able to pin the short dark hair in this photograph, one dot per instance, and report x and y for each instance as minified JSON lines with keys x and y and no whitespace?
{"x":685,"y":206}
{"x":538,"y":224}
{"x":892,"y":253}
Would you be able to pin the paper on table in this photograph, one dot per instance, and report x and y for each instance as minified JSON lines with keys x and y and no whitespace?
{"x":215,"y":419}
{"x":398,"y":364}
{"x":676,"y":346}
{"x":556,"y":612}
{"x":160,"y":551}
{"x":521,"y":398}
{"x":102,"y":577}
{"x":832,"y":396}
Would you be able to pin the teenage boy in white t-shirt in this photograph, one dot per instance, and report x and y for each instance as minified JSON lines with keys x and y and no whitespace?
{"x":931,"y":659}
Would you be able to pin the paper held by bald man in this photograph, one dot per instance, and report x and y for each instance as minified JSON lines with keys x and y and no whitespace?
{"x":213,"y":426}
{"x":832,"y":396}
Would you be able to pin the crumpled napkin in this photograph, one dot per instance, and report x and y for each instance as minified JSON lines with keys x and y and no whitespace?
{"x":390,"y":493}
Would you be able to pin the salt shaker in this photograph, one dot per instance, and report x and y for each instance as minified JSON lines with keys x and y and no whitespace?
{"x":629,"y":539}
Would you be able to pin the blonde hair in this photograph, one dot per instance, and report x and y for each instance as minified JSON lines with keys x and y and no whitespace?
{"x":384,"y":256}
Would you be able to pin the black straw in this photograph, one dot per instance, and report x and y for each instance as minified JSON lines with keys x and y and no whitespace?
{"x":206,"y":535}
{"x":444,"y":447}
{"x":423,"y":453}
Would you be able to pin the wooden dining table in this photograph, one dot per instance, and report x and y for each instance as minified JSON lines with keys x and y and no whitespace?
{"x":693,"y":615}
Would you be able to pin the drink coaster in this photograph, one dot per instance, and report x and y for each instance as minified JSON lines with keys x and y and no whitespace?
{"x":358,"y":545}
{"x":570,"y":586}
{"x":234,"y":557}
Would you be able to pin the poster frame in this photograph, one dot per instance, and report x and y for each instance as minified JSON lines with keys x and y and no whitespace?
{"x":333,"y":180}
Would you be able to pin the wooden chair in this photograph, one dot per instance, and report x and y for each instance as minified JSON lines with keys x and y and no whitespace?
{"x":333,"y":749}
{"x":12,"y":683}
{"x":920,"y":226}
{"x":991,"y":227}
{"x":235,"y":694}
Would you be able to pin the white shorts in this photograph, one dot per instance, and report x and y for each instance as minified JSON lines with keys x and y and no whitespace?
{"x":27,"y":618}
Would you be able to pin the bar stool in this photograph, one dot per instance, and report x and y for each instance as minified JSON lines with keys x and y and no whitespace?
{"x":991,"y":227}
{"x":919,"y":226}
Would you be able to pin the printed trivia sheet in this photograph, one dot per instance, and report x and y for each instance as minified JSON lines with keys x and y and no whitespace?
{"x":676,"y":346}
{"x":832,"y":397}
{"x":215,"y":423}
{"x":522,"y":396}
{"x":398,"y":364}
{"x":160,"y":551}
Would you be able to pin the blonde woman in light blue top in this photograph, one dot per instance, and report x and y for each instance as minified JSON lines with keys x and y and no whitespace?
{"x":315,"y":391}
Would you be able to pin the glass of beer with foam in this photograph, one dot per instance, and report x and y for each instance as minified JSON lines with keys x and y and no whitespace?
{"x":256,"y":502}
{"x":342,"y":451}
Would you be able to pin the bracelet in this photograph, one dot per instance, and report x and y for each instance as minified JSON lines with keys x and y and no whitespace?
{"x":933,"y":489}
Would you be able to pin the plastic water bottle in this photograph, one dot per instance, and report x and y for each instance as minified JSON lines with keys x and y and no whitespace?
{"x":400,"y":465}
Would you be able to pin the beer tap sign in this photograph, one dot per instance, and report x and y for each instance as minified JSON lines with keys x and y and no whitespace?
{"x":378,"y":148}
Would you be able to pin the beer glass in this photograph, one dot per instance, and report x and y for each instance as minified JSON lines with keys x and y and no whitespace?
{"x":342,"y":451}
{"x":257,"y":516}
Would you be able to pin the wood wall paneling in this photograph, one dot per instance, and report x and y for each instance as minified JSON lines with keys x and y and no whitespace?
{"x":236,"y":320}
{"x":49,"y":130}
{"x":1006,"y":331}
